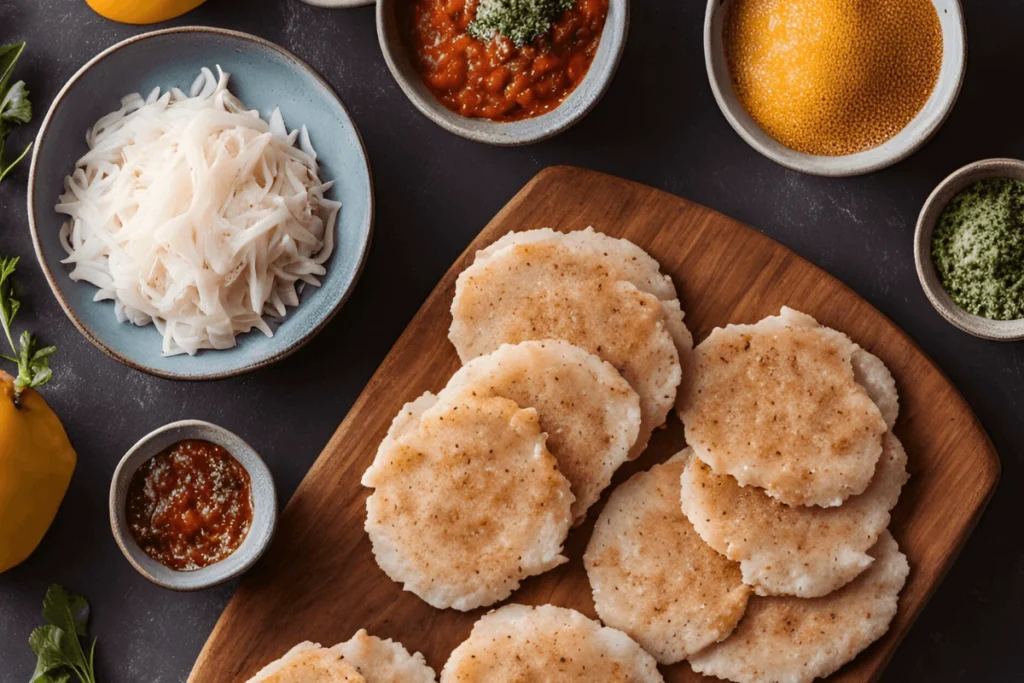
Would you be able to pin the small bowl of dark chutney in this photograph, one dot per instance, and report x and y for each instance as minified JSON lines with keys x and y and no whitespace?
{"x":192,"y":505}
{"x":969,"y":249}
{"x":503,"y":73}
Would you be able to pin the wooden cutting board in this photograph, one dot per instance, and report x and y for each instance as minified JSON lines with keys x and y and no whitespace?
{"x":319,"y":580}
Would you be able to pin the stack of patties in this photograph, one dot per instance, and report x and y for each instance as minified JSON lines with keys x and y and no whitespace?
{"x":777,"y":566}
{"x":572,"y":345}
{"x":605,"y":295}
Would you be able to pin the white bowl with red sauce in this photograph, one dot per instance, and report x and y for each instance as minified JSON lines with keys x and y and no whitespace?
{"x":586,"y":91}
{"x":241,"y":535}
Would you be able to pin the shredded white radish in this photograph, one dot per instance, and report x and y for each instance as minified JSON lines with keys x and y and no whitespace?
{"x":192,"y":213}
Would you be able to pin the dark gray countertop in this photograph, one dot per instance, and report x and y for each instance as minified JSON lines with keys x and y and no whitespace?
{"x":659,"y":125}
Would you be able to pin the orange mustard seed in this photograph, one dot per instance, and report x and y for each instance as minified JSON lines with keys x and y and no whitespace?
{"x":833,"y":77}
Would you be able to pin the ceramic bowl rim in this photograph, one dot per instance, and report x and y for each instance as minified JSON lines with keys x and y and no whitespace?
{"x":994,"y":330}
{"x":51,"y":280}
{"x":516,"y":133}
{"x":264,"y":501}
{"x":918,"y":131}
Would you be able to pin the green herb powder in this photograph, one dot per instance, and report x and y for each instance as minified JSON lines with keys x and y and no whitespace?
{"x":518,"y":20}
{"x":978,"y":249}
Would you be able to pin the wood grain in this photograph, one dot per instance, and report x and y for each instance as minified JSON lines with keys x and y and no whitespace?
{"x":319,"y":580}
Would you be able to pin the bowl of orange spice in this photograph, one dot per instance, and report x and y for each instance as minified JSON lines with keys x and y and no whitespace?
{"x":835,"y":87}
{"x":503,"y":72}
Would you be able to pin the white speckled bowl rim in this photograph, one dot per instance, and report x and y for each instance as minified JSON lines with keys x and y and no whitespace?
{"x":264,"y":500}
{"x":577,"y":105}
{"x":920,"y":129}
{"x":996,"y":330}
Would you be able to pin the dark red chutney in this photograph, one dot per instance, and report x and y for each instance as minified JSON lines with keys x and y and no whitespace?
{"x":190,"y":505}
{"x":497,"y":80}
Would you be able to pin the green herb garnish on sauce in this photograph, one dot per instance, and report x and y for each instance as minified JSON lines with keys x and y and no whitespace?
{"x":518,"y":20}
{"x":978,"y":249}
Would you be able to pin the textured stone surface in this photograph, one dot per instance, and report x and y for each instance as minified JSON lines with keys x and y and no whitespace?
{"x":659,"y":125}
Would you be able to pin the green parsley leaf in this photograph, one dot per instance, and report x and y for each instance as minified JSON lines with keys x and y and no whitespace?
{"x":15,"y":107}
{"x":38,"y":363}
{"x":33,"y":363}
{"x":9,"y":303}
{"x":49,"y":643}
{"x":66,"y":610}
{"x":62,"y":677}
{"x":57,"y":646}
{"x":8,"y":58}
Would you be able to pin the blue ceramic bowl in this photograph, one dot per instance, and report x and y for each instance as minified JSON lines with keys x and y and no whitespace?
{"x":264,"y":76}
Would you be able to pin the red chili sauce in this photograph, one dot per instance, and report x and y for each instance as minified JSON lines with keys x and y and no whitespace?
{"x":190,"y":505}
{"x":497,"y":80}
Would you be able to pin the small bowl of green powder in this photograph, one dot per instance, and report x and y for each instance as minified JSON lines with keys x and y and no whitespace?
{"x":969,"y":248}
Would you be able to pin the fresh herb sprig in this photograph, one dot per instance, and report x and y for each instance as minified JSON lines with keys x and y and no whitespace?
{"x":58,"y":645}
{"x":33,"y":364}
{"x":15,"y":107}
{"x":518,"y":20}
